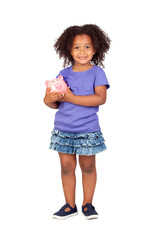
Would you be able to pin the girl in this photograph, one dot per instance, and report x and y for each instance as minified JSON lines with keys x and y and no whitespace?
{"x":76,"y":127}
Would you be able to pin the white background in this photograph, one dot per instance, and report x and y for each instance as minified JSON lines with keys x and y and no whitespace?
{"x":129,"y":194}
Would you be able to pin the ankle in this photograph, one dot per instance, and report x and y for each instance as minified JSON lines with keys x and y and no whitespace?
{"x":84,"y":203}
{"x":71,"y":204}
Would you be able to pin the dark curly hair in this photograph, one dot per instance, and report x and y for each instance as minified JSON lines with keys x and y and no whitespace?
{"x":100,"y":40}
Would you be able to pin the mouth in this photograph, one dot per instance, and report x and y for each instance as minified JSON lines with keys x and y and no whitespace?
{"x":82,"y":58}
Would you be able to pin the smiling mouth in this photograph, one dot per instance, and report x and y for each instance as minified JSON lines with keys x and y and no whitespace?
{"x":82,"y":58}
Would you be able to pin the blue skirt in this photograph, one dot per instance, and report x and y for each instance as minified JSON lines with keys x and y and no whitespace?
{"x":77,"y":143}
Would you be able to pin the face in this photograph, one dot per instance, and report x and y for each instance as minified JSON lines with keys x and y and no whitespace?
{"x":82,"y":50}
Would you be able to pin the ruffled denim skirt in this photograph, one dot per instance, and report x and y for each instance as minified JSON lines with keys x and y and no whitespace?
{"x":77,"y":143}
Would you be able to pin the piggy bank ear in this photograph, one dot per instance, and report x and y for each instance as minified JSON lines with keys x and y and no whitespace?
{"x":60,"y":77}
{"x":46,"y":82}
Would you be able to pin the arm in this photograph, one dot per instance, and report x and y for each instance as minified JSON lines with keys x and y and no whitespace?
{"x":97,"y":99}
{"x":51,"y":99}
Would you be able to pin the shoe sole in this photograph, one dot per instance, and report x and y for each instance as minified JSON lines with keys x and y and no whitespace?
{"x":65,"y":217}
{"x":90,"y":217}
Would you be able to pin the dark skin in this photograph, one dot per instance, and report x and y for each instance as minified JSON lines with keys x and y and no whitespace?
{"x":52,"y":98}
{"x":82,"y":52}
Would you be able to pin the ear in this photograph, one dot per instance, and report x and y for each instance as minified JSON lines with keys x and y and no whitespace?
{"x":46,"y":82}
{"x":60,"y":77}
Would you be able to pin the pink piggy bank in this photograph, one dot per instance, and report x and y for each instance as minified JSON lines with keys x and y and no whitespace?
{"x":57,"y":85}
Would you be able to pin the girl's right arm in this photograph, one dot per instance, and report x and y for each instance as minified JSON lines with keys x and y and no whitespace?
{"x":52,"y":99}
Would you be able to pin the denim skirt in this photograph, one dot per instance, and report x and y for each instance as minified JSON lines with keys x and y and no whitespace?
{"x":77,"y":143}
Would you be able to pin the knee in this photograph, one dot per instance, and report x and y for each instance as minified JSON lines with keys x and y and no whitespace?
{"x":67,"y":168}
{"x":87,"y":167}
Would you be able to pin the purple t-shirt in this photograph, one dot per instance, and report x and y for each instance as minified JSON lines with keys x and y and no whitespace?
{"x":75,"y":118}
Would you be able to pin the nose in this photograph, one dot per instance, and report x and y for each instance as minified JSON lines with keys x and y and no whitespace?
{"x":82,"y":50}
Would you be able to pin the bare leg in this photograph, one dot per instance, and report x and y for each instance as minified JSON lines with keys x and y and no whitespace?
{"x":68,"y":166}
{"x":89,"y":176}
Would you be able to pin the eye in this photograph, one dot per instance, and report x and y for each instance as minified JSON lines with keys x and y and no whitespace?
{"x":87,"y":47}
{"x":76,"y":47}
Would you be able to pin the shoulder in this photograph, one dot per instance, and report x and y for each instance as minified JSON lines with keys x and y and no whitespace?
{"x":99,"y":72}
{"x":99,"y":69}
{"x":65,"y":71}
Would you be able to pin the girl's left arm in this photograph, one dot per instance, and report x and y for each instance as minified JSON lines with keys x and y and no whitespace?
{"x":96,"y":99}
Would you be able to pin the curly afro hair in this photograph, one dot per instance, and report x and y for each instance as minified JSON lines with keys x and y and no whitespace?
{"x":100,"y":40}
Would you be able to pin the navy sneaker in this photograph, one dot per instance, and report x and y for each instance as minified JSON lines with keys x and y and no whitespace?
{"x":61,"y":214}
{"x":90,"y":213}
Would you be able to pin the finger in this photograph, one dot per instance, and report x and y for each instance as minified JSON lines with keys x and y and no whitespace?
{"x":48,"y":90}
{"x":58,"y":95}
{"x":55,"y":94}
{"x":61,"y":95}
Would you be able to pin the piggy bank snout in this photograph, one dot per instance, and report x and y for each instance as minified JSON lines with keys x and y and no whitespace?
{"x":58,"y":85}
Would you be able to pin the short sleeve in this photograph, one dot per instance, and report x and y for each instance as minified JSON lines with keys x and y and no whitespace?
{"x":64,"y":73}
{"x":101,"y":78}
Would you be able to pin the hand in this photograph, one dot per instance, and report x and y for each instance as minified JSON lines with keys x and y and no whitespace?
{"x":68,"y":96}
{"x":52,"y":97}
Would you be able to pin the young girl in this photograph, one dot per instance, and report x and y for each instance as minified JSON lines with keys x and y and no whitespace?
{"x":76,"y":127}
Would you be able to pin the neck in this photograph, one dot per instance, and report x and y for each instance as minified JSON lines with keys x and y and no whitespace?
{"x":82,"y":67}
